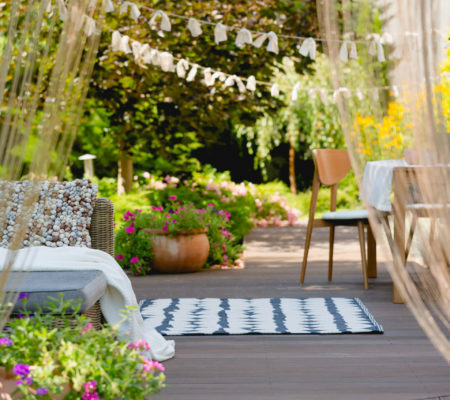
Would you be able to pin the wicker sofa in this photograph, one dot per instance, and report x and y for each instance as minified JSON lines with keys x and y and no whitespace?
{"x":87,"y":285}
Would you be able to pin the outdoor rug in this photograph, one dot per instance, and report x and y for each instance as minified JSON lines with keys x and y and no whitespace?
{"x":213,"y":316}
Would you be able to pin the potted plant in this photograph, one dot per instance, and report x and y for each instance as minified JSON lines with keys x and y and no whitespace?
{"x":72,"y":361}
{"x":175,"y":238}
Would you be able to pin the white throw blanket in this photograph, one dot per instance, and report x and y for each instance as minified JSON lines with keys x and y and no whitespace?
{"x":119,"y":292}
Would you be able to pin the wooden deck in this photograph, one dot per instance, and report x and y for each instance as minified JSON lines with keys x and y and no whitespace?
{"x":400,"y":364}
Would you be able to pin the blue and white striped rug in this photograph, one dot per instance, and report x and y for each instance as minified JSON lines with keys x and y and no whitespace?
{"x":213,"y":316}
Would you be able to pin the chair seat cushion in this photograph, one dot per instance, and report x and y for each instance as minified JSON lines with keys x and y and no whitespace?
{"x":86,"y":285}
{"x":346,"y":215}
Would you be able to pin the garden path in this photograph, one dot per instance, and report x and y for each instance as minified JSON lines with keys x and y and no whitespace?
{"x":401,"y":364}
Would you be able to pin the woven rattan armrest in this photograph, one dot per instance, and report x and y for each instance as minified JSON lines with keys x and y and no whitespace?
{"x":102,"y":226}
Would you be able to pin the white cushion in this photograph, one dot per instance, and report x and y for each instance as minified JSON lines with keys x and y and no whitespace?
{"x":346,"y":215}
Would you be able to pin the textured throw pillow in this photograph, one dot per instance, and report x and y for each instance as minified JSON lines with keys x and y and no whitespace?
{"x":60,"y":217}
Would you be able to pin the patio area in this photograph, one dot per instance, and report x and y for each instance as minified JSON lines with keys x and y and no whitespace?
{"x":400,"y":364}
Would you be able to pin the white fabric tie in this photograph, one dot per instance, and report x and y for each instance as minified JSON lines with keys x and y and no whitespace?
{"x":136,"y":47}
{"x":395,"y":91}
{"x":218,"y":75}
{"x":115,"y":41}
{"x":124,"y":46}
{"x":155,"y":57}
{"x":165,"y":21}
{"x":62,"y":10}
{"x":272,"y":46}
{"x":194,"y":27}
{"x":145,"y":54}
{"x":342,"y":90}
{"x":208,"y":77}
{"x":109,"y":7}
{"x":243,"y":37}
{"x":348,"y":50}
{"x":308,"y":48}
{"x":294,"y":94}
{"x":275,"y":90}
{"x":182,"y":67}
{"x":359,"y":94}
{"x":311,"y":93}
{"x":376,"y":46}
{"x":192,"y":73}
{"x":166,"y":61}
{"x":251,"y":83}
{"x":220,"y":33}
{"x":233,"y":79}
{"x":134,"y":13}
{"x":89,"y":26}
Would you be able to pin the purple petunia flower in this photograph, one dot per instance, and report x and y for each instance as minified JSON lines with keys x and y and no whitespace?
{"x":21,"y":369}
{"x":40,"y":391}
{"x":23,"y":295}
{"x":134,"y":260}
{"x":5,"y":342}
{"x":119,"y":257}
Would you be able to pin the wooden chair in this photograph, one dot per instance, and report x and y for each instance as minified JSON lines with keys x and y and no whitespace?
{"x":331,"y":166}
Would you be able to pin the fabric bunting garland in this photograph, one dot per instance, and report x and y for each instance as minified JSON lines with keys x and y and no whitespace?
{"x":308,"y":48}
{"x":165,"y":22}
{"x":194,"y":27}
{"x":220,"y":33}
{"x":243,"y":37}
{"x":273,"y":41}
{"x":144,"y":54}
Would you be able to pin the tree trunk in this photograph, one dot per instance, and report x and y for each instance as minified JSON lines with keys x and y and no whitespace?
{"x":125,"y":176}
{"x":292,"y":183}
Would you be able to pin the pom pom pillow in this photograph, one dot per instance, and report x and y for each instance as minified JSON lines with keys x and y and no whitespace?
{"x":60,"y":217}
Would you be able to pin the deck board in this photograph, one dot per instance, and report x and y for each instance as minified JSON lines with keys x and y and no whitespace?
{"x":400,"y":364}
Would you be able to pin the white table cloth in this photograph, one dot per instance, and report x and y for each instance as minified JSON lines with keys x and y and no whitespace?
{"x":377,"y":183}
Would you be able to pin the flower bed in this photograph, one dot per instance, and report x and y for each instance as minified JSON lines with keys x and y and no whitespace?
{"x":75,"y":360}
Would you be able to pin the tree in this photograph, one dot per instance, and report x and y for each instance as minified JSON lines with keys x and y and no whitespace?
{"x":151,"y":110}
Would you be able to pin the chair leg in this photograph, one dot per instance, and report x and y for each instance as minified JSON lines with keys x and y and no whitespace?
{"x":312,"y":210}
{"x":362,"y":245}
{"x":306,"y":250}
{"x":330,"y":256}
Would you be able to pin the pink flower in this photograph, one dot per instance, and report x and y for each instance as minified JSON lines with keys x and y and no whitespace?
{"x":119,"y":257}
{"x":160,"y":185}
{"x":172,"y":198}
{"x":90,"y":386}
{"x":174,"y":221}
{"x":263,"y":223}
{"x":146,"y":175}
{"x":210,"y":205}
{"x":134,"y":260}
{"x":87,"y":328}
{"x":139,"y":345}
{"x":151,"y":365}
{"x":165,"y":227}
{"x":129,"y":229}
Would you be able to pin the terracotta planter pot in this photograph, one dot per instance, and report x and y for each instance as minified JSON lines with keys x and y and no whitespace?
{"x":186,"y":252}
{"x":8,"y":386}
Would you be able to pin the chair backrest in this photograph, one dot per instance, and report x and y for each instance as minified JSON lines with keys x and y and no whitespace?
{"x":332,"y":165}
